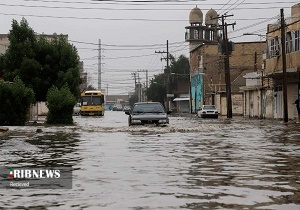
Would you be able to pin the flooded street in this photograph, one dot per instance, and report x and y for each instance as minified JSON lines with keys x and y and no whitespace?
{"x":189,"y":164}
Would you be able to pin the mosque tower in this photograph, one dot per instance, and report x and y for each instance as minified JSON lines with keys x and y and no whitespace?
{"x":197,"y":33}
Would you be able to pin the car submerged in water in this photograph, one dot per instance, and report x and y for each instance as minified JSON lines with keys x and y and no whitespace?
{"x":208,"y":111}
{"x":147,"y":113}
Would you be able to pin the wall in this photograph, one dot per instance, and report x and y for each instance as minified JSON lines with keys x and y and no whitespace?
{"x":4,"y":43}
{"x":274,"y":66}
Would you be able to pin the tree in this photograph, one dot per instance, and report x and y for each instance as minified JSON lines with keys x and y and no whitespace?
{"x":40,"y":61}
{"x":15,"y":102}
{"x":91,"y":87}
{"x":133,"y":99}
{"x":60,"y":104}
{"x":22,"y":41}
{"x":157,"y":88}
{"x":180,"y":68}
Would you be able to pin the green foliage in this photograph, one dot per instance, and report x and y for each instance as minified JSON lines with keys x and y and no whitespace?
{"x":15,"y":102}
{"x":157,"y":89}
{"x":60,"y":104}
{"x":133,"y":99}
{"x":40,"y":61}
{"x":90,"y":87}
{"x":180,"y":68}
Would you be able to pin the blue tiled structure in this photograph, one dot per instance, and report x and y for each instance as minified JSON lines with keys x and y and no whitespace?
{"x":196,"y":91}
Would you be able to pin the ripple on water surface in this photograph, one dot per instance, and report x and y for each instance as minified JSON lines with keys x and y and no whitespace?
{"x":189,"y":164}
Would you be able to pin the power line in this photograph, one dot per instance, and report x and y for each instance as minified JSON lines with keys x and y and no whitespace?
{"x":134,"y":9}
{"x":229,"y":10}
{"x":155,"y":3}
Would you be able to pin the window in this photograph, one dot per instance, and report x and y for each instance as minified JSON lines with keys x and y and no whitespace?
{"x":275,"y":47}
{"x":297,"y":40}
{"x":196,"y":34}
{"x":288,"y":43}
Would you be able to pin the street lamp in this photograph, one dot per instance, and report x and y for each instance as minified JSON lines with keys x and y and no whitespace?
{"x":254,"y":34}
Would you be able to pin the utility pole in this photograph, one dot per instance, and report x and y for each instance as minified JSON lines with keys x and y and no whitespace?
{"x":283,"y":53}
{"x":139,"y":88}
{"x":227,"y":66}
{"x":255,"y":61}
{"x":167,"y":74}
{"x":134,"y":75}
{"x":143,"y":70}
{"x":99,"y":65}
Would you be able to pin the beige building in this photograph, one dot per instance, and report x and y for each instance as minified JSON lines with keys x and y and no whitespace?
{"x":4,"y":43}
{"x":273,"y":84}
{"x":207,"y":68}
{"x":243,"y":60}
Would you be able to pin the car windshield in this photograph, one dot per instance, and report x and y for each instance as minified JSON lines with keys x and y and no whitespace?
{"x":209,"y":107}
{"x":148,"y":108}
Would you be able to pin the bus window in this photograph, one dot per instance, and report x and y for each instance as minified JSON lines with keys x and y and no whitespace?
{"x":86,"y":100}
{"x":96,"y":100}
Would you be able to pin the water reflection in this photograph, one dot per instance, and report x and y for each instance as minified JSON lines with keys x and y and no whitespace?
{"x":211,"y":165}
{"x":46,"y":149}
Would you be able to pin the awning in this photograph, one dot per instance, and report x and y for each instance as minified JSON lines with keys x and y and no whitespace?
{"x":181,"y":99}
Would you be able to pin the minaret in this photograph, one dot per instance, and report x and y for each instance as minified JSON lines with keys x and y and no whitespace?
{"x":194,"y":32}
{"x":197,"y":33}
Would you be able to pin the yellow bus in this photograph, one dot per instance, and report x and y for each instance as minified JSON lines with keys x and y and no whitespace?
{"x":92,"y":103}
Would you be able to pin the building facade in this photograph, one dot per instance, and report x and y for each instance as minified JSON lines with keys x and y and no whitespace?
{"x":273,"y":81}
{"x":199,"y":34}
{"x":243,"y":60}
{"x":207,"y":67}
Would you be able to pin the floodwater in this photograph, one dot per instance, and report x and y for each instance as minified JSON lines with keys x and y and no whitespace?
{"x":189,"y":164}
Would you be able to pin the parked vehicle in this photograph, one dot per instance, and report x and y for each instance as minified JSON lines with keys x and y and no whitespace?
{"x":117,"y":107}
{"x":76,"y":109}
{"x":208,"y":111}
{"x":126,"y":108}
{"x":147,"y":113}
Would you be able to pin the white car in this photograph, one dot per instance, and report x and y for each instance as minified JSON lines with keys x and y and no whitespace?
{"x":77,"y":109}
{"x":208,"y":111}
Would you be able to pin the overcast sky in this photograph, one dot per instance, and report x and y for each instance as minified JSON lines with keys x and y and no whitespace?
{"x":132,"y":30}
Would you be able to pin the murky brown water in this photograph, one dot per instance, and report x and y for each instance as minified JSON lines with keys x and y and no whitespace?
{"x":190,"y":164}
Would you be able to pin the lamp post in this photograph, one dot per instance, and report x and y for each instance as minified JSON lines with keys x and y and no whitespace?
{"x":254,"y":34}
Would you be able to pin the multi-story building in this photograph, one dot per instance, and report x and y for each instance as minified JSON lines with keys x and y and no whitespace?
{"x":273,"y":81}
{"x":208,"y":68}
{"x":4,"y":43}
{"x":199,"y":34}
